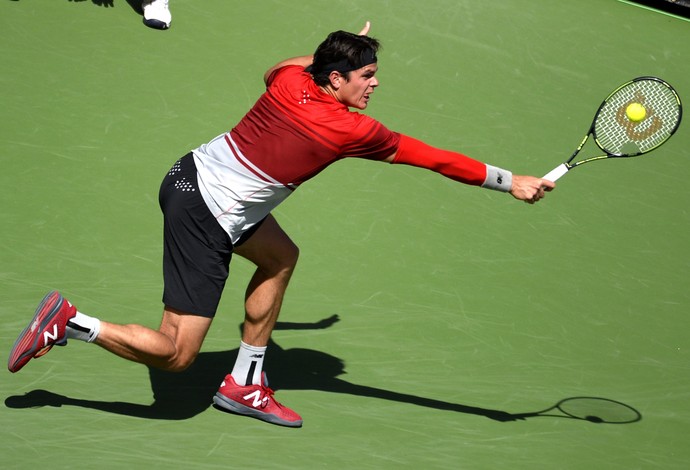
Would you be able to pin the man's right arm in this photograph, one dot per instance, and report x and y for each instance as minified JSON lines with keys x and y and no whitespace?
{"x":304,"y":61}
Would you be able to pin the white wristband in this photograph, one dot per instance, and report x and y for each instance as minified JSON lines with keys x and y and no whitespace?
{"x":498,"y":179}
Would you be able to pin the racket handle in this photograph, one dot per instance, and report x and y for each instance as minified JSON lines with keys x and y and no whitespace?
{"x":557,"y":172}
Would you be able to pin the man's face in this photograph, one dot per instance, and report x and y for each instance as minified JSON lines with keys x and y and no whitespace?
{"x":355,"y":92}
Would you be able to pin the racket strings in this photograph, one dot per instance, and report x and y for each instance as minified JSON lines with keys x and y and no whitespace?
{"x":618,"y":135}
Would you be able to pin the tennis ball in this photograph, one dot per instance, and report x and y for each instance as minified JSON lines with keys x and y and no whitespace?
{"x":635,"y":112}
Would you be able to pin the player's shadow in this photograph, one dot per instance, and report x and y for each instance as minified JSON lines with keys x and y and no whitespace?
{"x":134,"y":4}
{"x":185,"y":394}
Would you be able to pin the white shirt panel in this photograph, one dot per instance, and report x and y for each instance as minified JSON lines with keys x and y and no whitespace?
{"x":239,"y":197}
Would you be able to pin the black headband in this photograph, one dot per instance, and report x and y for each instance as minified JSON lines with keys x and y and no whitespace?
{"x":368,"y":57}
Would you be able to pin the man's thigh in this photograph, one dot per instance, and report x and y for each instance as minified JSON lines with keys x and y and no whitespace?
{"x":269,"y":247}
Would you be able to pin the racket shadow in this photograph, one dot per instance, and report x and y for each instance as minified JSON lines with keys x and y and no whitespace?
{"x":183,"y":395}
{"x":596,"y":410}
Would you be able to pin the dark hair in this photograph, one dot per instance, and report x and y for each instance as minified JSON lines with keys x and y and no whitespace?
{"x":343,"y":52}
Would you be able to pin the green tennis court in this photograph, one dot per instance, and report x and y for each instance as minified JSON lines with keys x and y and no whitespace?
{"x":427,"y":321}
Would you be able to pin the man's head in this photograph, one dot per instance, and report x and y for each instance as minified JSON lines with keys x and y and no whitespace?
{"x":342,"y":52}
{"x":346,"y":64}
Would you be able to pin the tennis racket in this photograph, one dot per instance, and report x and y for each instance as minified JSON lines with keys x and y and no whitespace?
{"x":619,"y":136}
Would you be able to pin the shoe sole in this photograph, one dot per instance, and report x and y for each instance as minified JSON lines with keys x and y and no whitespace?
{"x":238,"y":408}
{"x":31,"y":335}
{"x":156,"y":24}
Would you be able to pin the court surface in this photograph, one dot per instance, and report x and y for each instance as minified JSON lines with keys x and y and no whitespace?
{"x":425,"y":316}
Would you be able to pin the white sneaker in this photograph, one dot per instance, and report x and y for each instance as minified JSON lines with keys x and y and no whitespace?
{"x":156,"y":14}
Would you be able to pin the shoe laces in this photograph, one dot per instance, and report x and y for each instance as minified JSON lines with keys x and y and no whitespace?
{"x":267,"y":397}
{"x":267,"y":392}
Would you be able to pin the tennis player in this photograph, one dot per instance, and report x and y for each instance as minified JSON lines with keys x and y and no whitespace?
{"x":217,"y":201}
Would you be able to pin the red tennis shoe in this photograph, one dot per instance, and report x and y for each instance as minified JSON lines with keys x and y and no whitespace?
{"x":45,"y":331}
{"x":256,"y":401}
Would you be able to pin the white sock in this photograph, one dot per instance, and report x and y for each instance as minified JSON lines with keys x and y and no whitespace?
{"x":83,"y":327}
{"x":249,"y":364}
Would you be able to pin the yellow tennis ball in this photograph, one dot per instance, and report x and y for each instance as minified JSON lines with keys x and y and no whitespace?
{"x":635,"y":112}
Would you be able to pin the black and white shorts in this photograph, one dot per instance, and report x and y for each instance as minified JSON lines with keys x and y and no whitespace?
{"x":196,"y":249}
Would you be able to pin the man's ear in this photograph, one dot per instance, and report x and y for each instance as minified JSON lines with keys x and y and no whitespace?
{"x":336,"y":79}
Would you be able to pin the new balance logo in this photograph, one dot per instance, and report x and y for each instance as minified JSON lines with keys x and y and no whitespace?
{"x":47,"y":336}
{"x":257,"y":401}
{"x":258,"y":356}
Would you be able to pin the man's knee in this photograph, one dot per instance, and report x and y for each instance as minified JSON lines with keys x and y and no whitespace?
{"x":185,"y":333}
{"x":281,"y":260}
{"x":179,"y":363}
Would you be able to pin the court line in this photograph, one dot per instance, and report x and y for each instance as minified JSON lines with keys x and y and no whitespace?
{"x":645,"y":7}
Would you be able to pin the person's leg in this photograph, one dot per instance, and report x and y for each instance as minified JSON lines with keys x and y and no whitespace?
{"x":245,"y":390}
{"x":174,"y":346}
{"x":275,"y":257}
{"x":196,"y":256}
